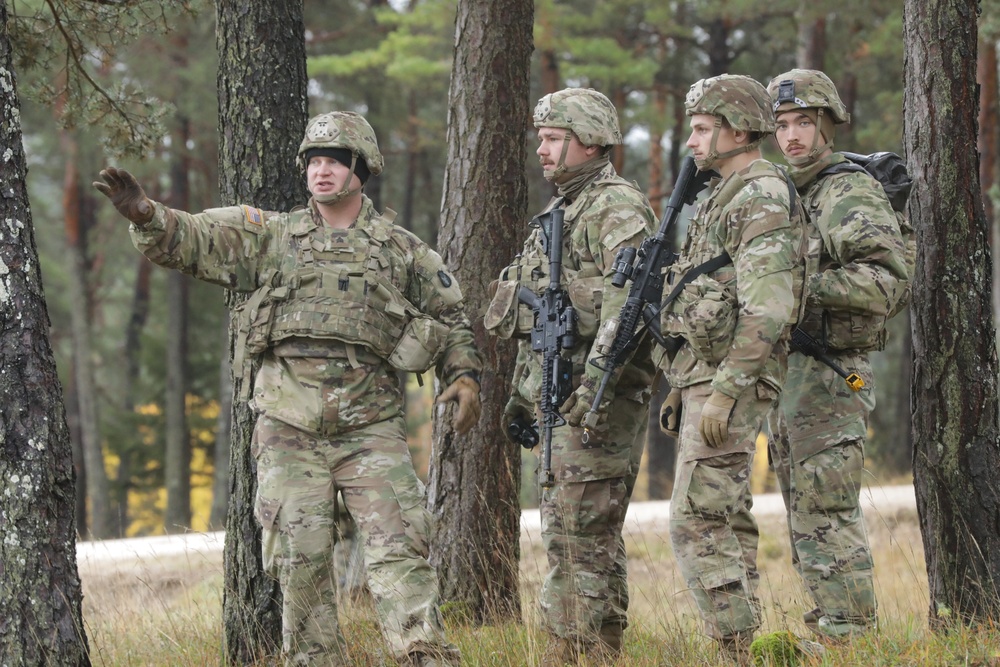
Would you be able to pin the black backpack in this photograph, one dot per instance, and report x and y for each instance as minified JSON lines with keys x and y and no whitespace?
{"x":890,"y":170}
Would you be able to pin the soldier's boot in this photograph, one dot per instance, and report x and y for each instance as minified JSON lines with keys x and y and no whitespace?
{"x":445,"y":657}
{"x":559,"y":652}
{"x":811,"y":619}
{"x":737,"y":649}
{"x":608,"y":647}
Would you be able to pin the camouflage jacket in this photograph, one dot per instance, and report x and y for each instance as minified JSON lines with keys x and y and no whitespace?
{"x":747,"y":216}
{"x":319,"y":384}
{"x":857,"y":257}
{"x":610,"y":213}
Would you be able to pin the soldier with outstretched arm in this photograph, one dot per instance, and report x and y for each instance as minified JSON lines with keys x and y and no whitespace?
{"x":341,"y":300}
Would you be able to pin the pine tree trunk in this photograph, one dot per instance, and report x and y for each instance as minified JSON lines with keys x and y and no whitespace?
{"x":955,"y":410}
{"x":475,"y":479}
{"x":98,"y":487}
{"x":40,"y":595}
{"x":177,"y":459}
{"x":263,"y":108}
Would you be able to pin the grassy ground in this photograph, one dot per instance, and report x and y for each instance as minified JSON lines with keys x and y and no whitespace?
{"x":169,"y":612}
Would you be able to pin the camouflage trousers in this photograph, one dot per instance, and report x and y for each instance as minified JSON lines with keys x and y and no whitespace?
{"x":298,"y":477}
{"x":712,"y":531}
{"x":817,"y":452}
{"x":582,"y":518}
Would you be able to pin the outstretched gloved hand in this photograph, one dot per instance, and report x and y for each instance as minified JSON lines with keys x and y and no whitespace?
{"x":126,"y":194}
{"x":670,"y":413}
{"x":714,"y":425}
{"x":465,"y":391}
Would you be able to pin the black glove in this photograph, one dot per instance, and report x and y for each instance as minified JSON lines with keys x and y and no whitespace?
{"x":519,"y":423}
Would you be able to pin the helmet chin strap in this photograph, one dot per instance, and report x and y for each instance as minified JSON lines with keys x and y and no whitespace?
{"x":713,"y":157}
{"x":344,"y":192}
{"x":561,"y":170}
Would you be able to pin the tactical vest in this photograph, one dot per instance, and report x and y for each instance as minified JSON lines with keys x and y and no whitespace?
{"x":581,"y":277}
{"x":340,"y":289}
{"x":704,"y":312}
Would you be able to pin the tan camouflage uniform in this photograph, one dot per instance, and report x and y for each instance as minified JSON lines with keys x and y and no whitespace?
{"x":584,"y":598}
{"x":738,"y":349}
{"x":857,"y":274}
{"x":331,"y":411}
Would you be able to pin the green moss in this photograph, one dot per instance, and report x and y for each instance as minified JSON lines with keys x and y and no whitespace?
{"x":775,"y":649}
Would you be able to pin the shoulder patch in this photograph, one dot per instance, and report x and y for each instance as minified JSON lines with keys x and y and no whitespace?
{"x":254,"y":215}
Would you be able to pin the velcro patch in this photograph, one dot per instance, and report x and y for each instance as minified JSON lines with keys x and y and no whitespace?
{"x":254,"y":215}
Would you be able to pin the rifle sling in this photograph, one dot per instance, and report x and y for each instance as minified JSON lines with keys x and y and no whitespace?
{"x":713,"y":264}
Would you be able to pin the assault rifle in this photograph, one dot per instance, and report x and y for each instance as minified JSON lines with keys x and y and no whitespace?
{"x":806,"y":344}
{"x":646,"y":267}
{"x":553,"y":332}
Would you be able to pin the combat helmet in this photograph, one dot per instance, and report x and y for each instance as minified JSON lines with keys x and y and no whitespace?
{"x":587,"y":113}
{"x":347,"y":131}
{"x":741,"y":101}
{"x":813,"y":90}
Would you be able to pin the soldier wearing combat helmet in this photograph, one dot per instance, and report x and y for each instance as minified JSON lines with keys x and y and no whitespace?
{"x":856,"y":275}
{"x":585,"y":596}
{"x":741,"y":259}
{"x":341,"y":300}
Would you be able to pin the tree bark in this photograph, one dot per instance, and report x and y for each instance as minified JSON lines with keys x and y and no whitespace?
{"x":40,"y":595}
{"x":263,"y":108}
{"x":955,"y":410}
{"x":474,"y":481}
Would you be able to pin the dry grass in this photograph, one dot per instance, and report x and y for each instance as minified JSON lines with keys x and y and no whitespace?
{"x":168,"y":612}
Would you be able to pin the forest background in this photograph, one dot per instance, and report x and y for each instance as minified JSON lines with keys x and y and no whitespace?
{"x":142,"y":353}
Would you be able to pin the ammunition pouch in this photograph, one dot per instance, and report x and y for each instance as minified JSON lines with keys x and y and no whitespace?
{"x":506,"y":317}
{"x":708,"y":312}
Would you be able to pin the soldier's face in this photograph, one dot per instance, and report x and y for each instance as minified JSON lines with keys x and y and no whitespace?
{"x":552,"y":141}
{"x":702,"y":129}
{"x":795,"y":133}
{"x":326,"y":176}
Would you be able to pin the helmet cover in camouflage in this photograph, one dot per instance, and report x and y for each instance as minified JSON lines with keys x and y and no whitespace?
{"x":343,"y":129}
{"x":742,"y":101}
{"x":587,"y":113}
{"x":807,"y":89}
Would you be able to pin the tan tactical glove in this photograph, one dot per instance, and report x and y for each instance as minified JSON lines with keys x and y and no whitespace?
{"x":714,"y":425}
{"x":670,"y":413}
{"x":126,"y":194}
{"x":465,"y":390}
{"x":576,"y":407}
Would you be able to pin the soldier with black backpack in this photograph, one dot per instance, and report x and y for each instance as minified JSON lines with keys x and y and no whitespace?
{"x":858,"y":269}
